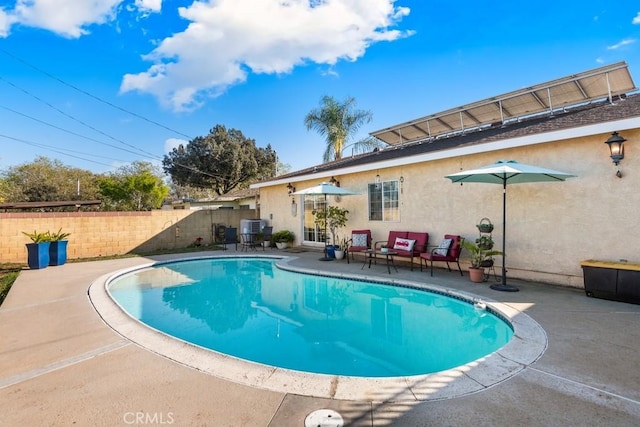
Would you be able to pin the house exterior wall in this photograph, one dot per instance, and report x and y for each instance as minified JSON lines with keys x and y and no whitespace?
{"x":95,"y":234}
{"x":551,"y":226}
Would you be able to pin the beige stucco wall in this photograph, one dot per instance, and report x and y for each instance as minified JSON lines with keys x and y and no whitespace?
{"x":551,"y":226}
{"x":95,"y":234}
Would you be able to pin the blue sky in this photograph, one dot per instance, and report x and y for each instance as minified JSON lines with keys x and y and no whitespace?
{"x":100,"y":84}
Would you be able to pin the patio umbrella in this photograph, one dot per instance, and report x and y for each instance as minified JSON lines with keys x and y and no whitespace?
{"x":325,"y":189}
{"x":507,"y":172}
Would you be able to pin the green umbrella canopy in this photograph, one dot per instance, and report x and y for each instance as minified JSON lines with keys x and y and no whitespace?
{"x":508,"y":172}
{"x":325,"y":189}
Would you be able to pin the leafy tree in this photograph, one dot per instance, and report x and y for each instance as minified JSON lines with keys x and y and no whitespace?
{"x":223,"y":160}
{"x":338,"y":122}
{"x":46,"y":180}
{"x":283,"y":168}
{"x":4,"y":189}
{"x":189,"y":192}
{"x":137,"y":187}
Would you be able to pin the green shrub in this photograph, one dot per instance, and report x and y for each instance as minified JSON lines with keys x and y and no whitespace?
{"x":283,"y":236}
{"x":37,"y":237}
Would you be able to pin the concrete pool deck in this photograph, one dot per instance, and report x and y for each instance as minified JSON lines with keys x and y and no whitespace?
{"x":60,"y":364}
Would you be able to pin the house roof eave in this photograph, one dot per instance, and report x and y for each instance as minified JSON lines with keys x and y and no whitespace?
{"x":463,"y":150}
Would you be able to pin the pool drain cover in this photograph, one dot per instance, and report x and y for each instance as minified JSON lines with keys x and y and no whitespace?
{"x":323,"y":418}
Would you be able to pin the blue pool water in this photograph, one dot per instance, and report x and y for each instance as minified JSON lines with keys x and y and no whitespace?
{"x":249,"y":308}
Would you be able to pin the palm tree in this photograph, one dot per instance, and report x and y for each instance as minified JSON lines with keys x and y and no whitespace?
{"x":338,"y":122}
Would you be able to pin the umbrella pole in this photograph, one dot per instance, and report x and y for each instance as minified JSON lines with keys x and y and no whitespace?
{"x":503,"y":286}
{"x":326,"y":255}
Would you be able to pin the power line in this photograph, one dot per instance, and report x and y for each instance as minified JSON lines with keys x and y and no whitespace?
{"x":75,"y":119}
{"x":69,"y":131}
{"x":92,"y":95}
{"x":60,"y":151}
{"x":87,"y":125}
{"x":90,"y":127}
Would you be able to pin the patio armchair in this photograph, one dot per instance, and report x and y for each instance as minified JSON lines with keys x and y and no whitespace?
{"x":360,"y":242}
{"x":249,"y":241}
{"x":447,"y":251}
{"x":410,"y":244}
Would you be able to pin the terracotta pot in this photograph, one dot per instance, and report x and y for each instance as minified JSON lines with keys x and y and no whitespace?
{"x":476,"y":274}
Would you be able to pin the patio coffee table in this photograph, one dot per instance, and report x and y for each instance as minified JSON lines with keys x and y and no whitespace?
{"x":373,"y":254}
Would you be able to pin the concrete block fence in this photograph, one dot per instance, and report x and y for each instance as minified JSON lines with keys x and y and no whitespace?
{"x":96,"y":234}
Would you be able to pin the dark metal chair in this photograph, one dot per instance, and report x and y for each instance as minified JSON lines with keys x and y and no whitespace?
{"x":249,"y":241}
{"x":267,"y":234}
{"x":230,"y":237}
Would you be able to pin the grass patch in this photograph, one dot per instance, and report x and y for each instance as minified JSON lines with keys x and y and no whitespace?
{"x":8,"y":275}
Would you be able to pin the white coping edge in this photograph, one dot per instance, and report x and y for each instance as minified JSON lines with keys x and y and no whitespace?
{"x":527,"y":345}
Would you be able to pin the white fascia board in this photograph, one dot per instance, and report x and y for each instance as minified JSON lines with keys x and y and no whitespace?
{"x":523,"y":141}
{"x":293,"y":180}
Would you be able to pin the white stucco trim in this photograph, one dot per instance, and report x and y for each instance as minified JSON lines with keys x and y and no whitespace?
{"x":539,"y":138}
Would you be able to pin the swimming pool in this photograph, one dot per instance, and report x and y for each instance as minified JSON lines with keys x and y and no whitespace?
{"x":248,"y":308}
{"x":528,"y":343}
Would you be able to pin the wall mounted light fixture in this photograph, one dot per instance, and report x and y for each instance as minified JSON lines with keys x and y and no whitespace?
{"x":616,"y":148}
{"x":377,"y":181}
{"x":333,"y":181}
{"x":401,"y":184}
{"x":290,"y":189}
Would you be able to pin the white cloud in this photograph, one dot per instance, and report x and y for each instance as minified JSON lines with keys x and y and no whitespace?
{"x":621,"y":44}
{"x":636,"y":20}
{"x":172,"y":143}
{"x":227,"y":39}
{"x":6,"y":20}
{"x":68,"y":18}
{"x":149,"y":5}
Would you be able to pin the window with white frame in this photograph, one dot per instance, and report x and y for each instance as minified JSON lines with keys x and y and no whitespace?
{"x":383,"y":201}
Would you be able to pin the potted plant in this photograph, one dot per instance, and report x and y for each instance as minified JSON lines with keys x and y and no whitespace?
{"x":260,"y":239}
{"x":384,"y":248}
{"x":266,"y":234}
{"x":333,"y":219}
{"x":485,"y":242}
{"x":283,"y":238}
{"x":341,"y":248}
{"x":485,"y":226}
{"x":38,"y":249}
{"x":479,"y":256}
{"x":58,"y":247}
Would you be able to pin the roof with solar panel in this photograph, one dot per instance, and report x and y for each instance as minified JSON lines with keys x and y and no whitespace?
{"x":575,"y":90}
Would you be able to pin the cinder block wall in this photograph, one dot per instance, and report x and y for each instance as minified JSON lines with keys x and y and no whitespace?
{"x":95,"y":234}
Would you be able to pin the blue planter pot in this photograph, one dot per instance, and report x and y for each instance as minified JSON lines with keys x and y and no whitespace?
{"x":38,"y":255}
{"x":331,"y":251}
{"x":58,"y":252}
